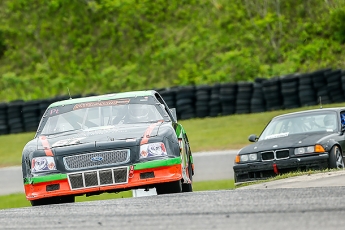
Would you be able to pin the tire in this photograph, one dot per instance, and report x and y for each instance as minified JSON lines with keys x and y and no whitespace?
{"x":169,"y":187}
{"x":188,"y":187}
{"x":53,"y":200}
{"x":335,"y":160}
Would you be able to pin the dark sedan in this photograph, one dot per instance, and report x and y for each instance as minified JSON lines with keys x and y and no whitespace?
{"x":307,"y":140}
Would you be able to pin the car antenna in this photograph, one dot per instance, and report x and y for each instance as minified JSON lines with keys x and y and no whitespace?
{"x":320,"y":103}
{"x":69,"y":93}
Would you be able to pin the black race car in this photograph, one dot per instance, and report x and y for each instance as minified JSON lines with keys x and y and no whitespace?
{"x":312,"y":139}
{"x":107,"y":143}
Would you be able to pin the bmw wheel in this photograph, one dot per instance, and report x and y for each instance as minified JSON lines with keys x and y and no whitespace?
{"x":336,"y":158}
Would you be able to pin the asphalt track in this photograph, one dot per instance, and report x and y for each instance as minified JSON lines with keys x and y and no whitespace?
{"x":261,"y":209}
{"x":215,"y":165}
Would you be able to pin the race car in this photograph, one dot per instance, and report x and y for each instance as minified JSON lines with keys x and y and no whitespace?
{"x":107,"y":143}
{"x":299,"y":141}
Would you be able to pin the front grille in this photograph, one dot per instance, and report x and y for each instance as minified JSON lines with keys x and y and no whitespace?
{"x":275,"y":155}
{"x":282,"y":154}
{"x":266,"y":156}
{"x":95,"y":178}
{"x":89,"y":160}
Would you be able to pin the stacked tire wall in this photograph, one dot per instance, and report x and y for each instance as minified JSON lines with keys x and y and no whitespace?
{"x":280,"y":92}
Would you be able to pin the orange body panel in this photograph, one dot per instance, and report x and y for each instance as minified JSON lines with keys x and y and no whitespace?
{"x":162,"y":174}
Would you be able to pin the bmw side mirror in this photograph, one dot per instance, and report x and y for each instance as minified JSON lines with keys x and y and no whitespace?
{"x":252,"y":138}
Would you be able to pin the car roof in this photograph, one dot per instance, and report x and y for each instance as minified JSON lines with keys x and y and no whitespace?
{"x":334,"y":109}
{"x":104,"y":97}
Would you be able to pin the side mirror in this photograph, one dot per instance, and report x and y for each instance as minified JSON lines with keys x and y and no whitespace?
{"x":173,"y":112}
{"x":342,"y":128}
{"x":252,"y":138}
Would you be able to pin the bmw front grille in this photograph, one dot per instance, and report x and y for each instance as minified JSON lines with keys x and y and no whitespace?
{"x":96,"y":159}
{"x":275,"y":155}
{"x":95,"y":178}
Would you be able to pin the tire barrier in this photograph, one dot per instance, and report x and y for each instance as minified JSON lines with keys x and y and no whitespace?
{"x":202,"y":100}
{"x":306,"y":91}
{"x":243,"y":97}
{"x":215,"y":105}
{"x":272,"y":94}
{"x":257,"y":102}
{"x":227,"y":96}
{"x":290,"y":91}
{"x":281,"y":92}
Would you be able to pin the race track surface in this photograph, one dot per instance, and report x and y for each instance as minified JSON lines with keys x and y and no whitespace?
{"x":293,"y":208}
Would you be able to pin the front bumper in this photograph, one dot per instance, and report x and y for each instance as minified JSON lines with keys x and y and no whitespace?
{"x":139,"y":176}
{"x":264,"y":170}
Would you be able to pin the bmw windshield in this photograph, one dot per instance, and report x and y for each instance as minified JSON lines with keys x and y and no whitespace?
{"x":302,"y":123}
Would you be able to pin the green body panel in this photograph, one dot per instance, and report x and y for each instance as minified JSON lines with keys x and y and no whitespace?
{"x":138,"y":166}
{"x":157,"y":163}
{"x":179,"y":131}
{"x":46,"y":178}
{"x":103,"y":97}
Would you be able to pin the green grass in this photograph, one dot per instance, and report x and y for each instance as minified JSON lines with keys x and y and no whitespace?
{"x":205,"y":134}
{"x":18,"y":200}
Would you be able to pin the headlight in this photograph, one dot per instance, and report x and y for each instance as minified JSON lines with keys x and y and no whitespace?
{"x":244,"y":158}
{"x":253,"y":157}
{"x":303,"y":150}
{"x":43,"y":164}
{"x":248,"y":157}
{"x":152,"y":150}
{"x":309,"y":149}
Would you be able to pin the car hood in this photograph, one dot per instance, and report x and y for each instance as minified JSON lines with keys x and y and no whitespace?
{"x":291,"y":141}
{"x":125,"y":132}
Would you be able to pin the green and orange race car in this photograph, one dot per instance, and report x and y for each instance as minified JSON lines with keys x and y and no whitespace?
{"x":107,"y":143}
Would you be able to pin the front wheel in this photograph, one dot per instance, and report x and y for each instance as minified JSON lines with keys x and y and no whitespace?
{"x":169,"y":187}
{"x":336,"y":158}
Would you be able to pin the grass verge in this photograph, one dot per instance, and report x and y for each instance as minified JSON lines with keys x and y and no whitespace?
{"x":18,"y":200}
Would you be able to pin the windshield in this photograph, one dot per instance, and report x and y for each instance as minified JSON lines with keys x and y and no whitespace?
{"x":300,"y":123}
{"x":89,"y":116}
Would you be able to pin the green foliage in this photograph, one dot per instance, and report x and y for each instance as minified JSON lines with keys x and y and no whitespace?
{"x":337,"y":24}
{"x":104,"y":46}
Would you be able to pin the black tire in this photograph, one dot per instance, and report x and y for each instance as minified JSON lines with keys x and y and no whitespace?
{"x":169,"y":187}
{"x":53,"y":200}
{"x":335,"y":160}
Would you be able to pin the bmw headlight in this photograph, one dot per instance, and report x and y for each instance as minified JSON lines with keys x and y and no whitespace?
{"x":309,"y":149}
{"x":244,"y":158}
{"x":42,"y":164}
{"x":247,"y":157}
{"x":253,"y":157}
{"x":152,"y":150}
